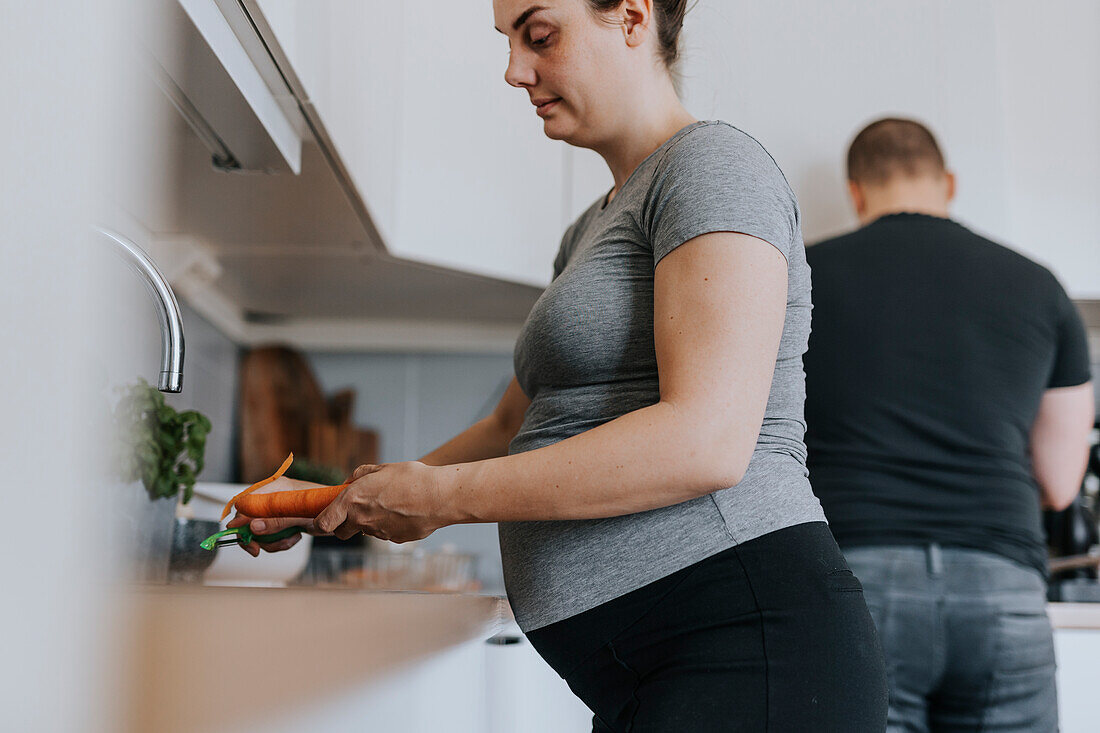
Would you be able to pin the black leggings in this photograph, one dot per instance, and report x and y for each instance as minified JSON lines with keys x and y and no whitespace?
{"x":772,"y":635}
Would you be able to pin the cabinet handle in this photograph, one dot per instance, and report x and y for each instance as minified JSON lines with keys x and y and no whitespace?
{"x":504,"y":639}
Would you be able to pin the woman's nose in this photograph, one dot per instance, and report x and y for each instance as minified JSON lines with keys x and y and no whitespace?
{"x":520,"y":73}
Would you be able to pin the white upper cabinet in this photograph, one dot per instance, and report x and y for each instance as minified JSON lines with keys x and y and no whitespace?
{"x":454,"y":167}
{"x":479,"y":184}
{"x":346,"y":56}
{"x":450,"y":160}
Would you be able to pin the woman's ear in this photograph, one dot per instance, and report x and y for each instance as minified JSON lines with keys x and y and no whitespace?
{"x":637,"y":16}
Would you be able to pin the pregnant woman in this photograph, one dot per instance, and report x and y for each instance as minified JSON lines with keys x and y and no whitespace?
{"x":662,"y":548}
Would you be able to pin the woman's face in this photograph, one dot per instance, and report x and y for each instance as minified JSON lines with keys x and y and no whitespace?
{"x":568,"y":61}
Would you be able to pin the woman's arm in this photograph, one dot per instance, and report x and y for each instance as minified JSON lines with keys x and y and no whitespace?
{"x":719,"y":307}
{"x":487,"y":438}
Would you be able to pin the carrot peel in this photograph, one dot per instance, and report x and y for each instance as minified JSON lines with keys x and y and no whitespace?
{"x":258,"y":485}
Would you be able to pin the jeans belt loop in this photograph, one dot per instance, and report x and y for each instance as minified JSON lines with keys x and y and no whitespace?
{"x":935,"y":559}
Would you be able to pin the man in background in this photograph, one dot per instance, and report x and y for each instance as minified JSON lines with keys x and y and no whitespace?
{"x":948,"y":397}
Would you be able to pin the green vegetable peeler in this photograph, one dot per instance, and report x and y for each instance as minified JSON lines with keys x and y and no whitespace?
{"x":243,"y":535}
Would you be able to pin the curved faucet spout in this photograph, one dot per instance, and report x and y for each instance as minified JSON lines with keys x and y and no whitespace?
{"x":168,"y":310}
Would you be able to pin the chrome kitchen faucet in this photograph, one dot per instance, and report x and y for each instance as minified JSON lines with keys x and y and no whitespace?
{"x":168,"y":310}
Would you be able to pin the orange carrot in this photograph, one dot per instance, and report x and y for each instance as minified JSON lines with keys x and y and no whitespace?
{"x":299,"y":503}
{"x":282,"y":469}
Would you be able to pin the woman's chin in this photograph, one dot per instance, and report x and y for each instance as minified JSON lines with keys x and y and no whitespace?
{"x":551,"y":131}
{"x":557,"y":128}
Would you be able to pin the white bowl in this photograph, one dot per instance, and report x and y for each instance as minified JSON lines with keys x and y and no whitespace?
{"x":234,"y":566}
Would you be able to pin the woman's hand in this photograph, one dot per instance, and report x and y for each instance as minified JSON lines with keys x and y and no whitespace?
{"x":271,"y":526}
{"x":399,"y":502}
{"x":261,"y":526}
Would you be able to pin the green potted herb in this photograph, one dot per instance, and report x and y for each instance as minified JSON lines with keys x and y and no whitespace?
{"x":163,"y":449}
{"x":158,"y":445}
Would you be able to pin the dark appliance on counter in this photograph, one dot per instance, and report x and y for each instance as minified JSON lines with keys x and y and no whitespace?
{"x":1073,"y":536}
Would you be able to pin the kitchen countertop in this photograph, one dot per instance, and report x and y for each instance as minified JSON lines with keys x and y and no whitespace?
{"x":1074,"y":615}
{"x":188,"y":656}
{"x":188,"y":648}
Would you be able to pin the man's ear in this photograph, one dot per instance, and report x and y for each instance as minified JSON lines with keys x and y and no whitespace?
{"x":859,"y":201}
{"x":637,"y":18}
{"x":949,"y":177}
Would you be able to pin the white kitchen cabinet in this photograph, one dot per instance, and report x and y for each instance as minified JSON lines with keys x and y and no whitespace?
{"x":525,"y":695}
{"x":347,"y":58}
{"x":443,"y":694}
{"x":451,"y":161}
{"x":475,"y":687}
{"x":1077,"y":652}
{"x":480,"y":185}
{"x":453,"y":165}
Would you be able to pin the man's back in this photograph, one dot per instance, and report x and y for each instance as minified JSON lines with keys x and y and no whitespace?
{"x":930,"y":351}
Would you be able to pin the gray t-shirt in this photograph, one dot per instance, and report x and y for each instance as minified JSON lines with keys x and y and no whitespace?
{"x":586,"y":356}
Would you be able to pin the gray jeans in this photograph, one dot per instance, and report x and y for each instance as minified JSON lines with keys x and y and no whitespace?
{"x":968,"y":643}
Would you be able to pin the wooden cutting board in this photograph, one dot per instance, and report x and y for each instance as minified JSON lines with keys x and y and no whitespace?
{"x":279,"y":400}
{"x":283,"y":410}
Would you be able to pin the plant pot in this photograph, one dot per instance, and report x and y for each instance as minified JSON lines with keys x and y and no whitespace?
{"x":144,"y":533}
{"x":188,"y":561}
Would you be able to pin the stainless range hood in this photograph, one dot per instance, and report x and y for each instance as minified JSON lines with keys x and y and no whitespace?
{"x":213,"y":67}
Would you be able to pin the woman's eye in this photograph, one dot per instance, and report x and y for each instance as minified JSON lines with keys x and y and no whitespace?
{"x":540,"y":40}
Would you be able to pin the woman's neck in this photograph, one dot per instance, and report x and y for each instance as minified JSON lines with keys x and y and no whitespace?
{"x":641,"y":134}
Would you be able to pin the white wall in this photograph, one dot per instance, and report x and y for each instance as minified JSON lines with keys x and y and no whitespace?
{"x":54,"y":70}
{"x":1048,"y":55}
{"x":1010,"y":87}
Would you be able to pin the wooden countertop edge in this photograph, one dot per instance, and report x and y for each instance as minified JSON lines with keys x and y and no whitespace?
{"x":1074,"y":615}
{"x":202,"y":658}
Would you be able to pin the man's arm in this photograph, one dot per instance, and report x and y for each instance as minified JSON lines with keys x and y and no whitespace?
{"x":487,"y":438}
{"x":1060,"y":443}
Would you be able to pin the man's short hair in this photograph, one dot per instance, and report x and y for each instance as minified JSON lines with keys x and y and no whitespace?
{"x":893,"y":147}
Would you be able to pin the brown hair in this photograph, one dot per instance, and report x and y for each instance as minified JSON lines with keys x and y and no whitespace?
{"x":670,"y":20}
{"x":891,"y":147}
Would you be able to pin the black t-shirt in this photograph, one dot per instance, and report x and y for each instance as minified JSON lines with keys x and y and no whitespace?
{"x":930,"y":350}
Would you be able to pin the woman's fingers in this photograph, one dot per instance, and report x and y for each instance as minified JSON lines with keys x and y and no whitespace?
{"x":238,"y":520}
{"x":271,"y":525}
{"x":334,"y":515}
{"x":283,"y":544}
{"x":254,"y":547}
{"x":349,"y":529}
{"x":377,"y":533}
{"x":349,"y":513}
{"x":363,"y":470}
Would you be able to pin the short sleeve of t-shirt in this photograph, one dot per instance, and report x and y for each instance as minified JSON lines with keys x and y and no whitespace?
{"x":563,"y":254}
{"x":1071,"y":359}
{"x":718,"y":179}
